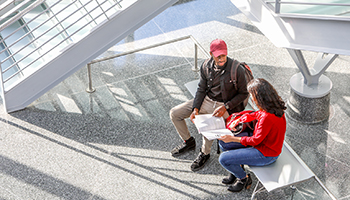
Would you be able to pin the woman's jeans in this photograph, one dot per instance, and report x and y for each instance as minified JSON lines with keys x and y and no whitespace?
{"x":235,"y":154}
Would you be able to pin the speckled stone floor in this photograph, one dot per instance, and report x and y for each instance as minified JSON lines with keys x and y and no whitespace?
{"x":115,"y":143}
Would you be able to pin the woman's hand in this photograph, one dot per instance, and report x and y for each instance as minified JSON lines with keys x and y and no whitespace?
{"x":230,"y":138}
{"x":233,"y":125}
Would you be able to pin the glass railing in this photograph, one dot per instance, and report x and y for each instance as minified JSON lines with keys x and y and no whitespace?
{"x":329,"y":8}
{"x":40,"y":34}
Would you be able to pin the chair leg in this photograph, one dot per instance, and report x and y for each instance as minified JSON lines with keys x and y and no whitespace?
{"x":293,"y":191}
{"x":256,"y":190}
{"x":218,"y":147}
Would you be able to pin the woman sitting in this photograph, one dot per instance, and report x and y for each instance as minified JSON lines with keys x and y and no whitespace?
{"x":264,"y":146}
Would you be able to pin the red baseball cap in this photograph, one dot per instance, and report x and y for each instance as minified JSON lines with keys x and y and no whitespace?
{"x":218,"y":47}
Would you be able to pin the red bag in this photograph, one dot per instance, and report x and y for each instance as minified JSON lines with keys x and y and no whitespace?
{"x":240,"y":123}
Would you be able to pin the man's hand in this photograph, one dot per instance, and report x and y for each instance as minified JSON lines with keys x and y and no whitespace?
{"x":193,"y":114}
{"x":220,"y":111}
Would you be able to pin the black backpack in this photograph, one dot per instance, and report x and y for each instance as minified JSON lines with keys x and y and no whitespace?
{"x":247,"y":72}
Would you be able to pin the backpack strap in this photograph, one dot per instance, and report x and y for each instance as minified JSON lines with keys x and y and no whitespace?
{"x":235,"y":65}
{"x":205,"y":63}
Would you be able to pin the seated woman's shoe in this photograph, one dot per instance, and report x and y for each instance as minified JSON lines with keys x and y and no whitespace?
{"x":240,"y":184}
{"x":229,"y":180}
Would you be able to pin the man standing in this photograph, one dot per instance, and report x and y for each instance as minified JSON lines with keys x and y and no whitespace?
{"x":215,"y":94}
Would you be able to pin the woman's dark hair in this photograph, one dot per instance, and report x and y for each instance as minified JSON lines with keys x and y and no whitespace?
{"x":266,"y":97}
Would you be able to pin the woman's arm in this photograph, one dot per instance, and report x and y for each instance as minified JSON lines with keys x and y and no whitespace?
{"x":261,"y":130}
{"x":230,"y":138}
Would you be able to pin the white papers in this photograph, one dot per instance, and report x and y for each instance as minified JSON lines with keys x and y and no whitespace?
{"x":211,"y":127}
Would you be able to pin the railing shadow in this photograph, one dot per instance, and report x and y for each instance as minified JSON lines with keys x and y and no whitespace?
{"x":42,"y":181}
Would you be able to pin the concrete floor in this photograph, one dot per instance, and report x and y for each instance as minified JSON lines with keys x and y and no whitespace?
{"x":115,"y":143}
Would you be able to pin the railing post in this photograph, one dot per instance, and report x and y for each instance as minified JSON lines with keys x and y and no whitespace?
{"x":195,"y":69}
{"x":2,"y":89}
{"x":90,"y":89}
{"x":277,"y":6}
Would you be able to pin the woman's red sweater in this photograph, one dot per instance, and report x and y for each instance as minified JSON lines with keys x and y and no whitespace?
{"x":268,"y":134}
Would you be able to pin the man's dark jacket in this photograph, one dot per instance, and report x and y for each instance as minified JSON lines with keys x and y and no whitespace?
{"x":232,"y":97}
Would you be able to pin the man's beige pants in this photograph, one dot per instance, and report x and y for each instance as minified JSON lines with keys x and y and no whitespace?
{"x":179,"y":113}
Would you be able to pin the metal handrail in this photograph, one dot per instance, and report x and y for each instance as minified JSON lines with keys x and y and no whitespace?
{"x":31,"y":31}
{"x":19,"y":14}
{"x":41,"y":35}
{"x":308,"y":3}
{"x":92,"y":20}
{"x":279,"y":2}
{"x":5,"y":4}
{"x":90,"y":89}
{"x":117,"y":3}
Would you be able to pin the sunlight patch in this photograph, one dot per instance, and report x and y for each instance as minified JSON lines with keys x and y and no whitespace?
{"x":118,"y":91}
{"x":124,"y":100}
{"x":108,"y":73}
{"x":174,"y":91}
{"x":336,"y":137}
{"x":69,"y":104}
{"x":131,"y":109}
{"x":347,"y":98}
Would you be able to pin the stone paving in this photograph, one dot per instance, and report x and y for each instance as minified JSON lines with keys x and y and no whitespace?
{"x":115,"y":143}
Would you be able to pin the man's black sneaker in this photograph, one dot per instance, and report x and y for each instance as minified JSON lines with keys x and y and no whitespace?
{"x":187,"y":145}
{"x":199,"y":162}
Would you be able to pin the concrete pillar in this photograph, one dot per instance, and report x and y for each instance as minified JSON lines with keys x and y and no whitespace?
{"x":309,"y":99}
{"x":309,"y":104}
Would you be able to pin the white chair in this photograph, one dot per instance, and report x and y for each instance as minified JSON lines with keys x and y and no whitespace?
{"x":192,"y":87}
{"x":289,"y":169}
